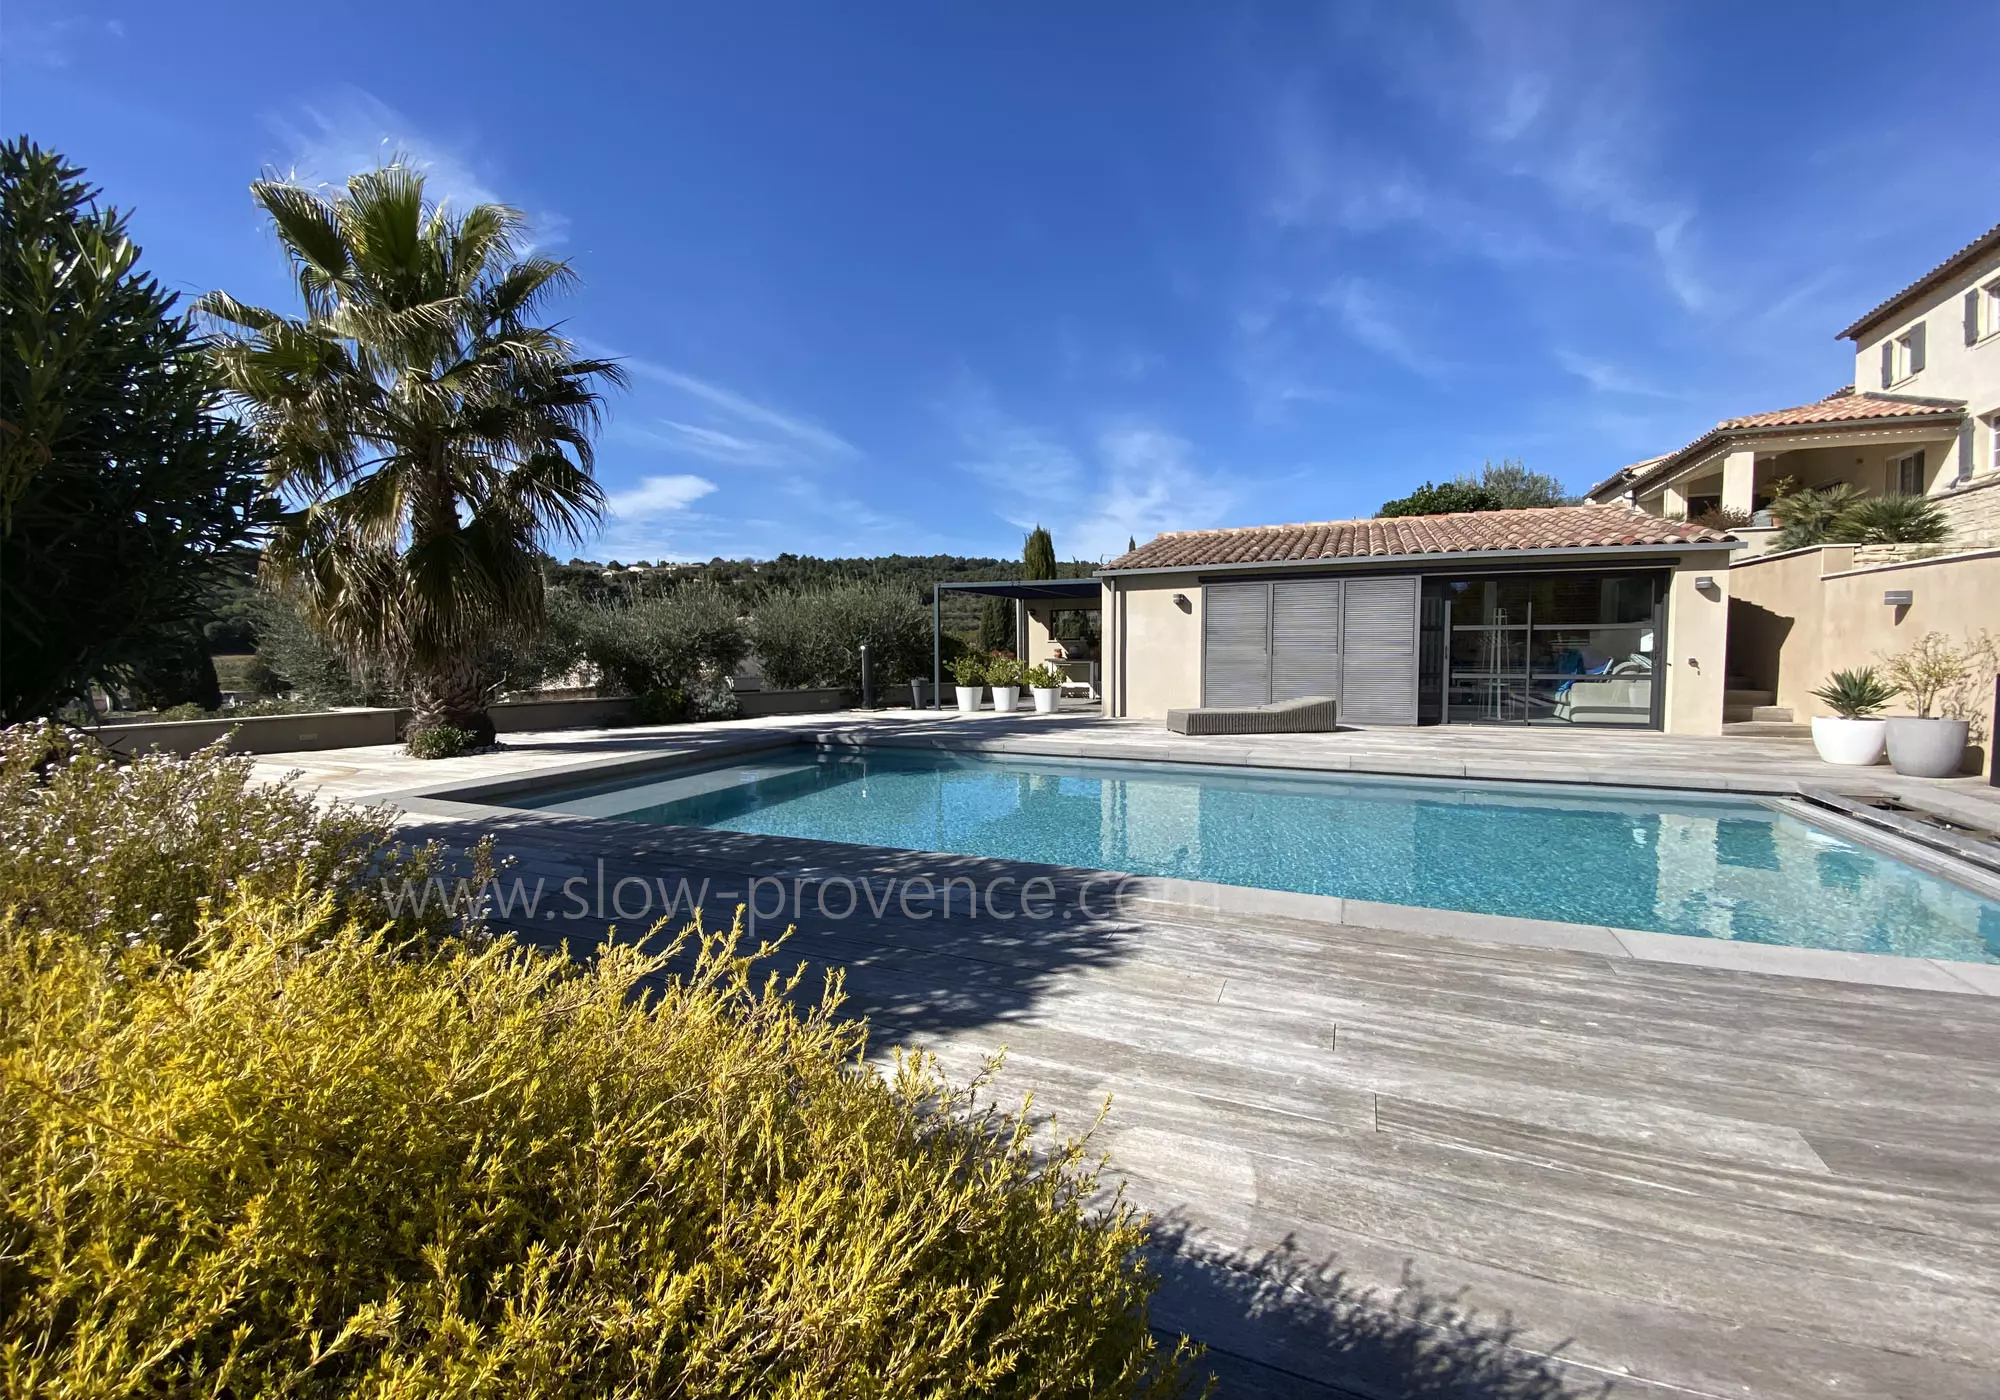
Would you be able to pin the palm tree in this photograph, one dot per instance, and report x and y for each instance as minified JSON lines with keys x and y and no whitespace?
{"x":425,"y":434}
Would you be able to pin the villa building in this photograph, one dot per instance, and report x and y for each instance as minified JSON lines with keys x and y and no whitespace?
{"x":1922,"y":417}
{"x":1651,"y":605}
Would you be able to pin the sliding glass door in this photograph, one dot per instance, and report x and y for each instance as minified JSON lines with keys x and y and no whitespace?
{"x":1565,"y":648}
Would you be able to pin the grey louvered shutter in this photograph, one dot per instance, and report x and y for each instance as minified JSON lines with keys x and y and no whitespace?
{"x":1972,"y":316}
{"x":1305,"y":638}
{"x":1236,"y":634}
{"x":1378,"y":652}
{"x":1916,"y":347}
{"x":1888,"y":363}
{"x":1965,"y":450}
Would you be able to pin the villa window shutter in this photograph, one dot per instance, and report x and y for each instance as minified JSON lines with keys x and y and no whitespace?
{"x":1965,"y":450}
{"x":1305,"y":638}
{"x":1378,"y":656}
{"x":1917,"y":347}
{"x":1888,"y":363}
{"x":1972,"y":316}
{"x":1236,"y":644}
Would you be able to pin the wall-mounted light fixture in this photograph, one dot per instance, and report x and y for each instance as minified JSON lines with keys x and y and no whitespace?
{"x":1898,"y":598}
{"x":1705,"y":583}
{"x":1181,"y":602}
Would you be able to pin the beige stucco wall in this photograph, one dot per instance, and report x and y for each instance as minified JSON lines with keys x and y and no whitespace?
{"x":1041,"y":642}
{"x":1799,"y":617}
{"x":1697,"y":658}
{"x":1160,"y":668}
{"x":1952,"y":369}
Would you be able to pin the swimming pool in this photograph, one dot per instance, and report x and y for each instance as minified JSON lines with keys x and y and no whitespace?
{"x":1710,"y":867}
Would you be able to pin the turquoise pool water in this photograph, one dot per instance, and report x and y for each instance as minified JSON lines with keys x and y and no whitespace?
{"x":1710,"y":868}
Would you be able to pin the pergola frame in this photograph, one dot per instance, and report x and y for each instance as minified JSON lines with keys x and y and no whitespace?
{"x":1022,"y":591}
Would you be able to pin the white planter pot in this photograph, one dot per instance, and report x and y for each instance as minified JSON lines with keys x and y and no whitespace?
{"x":1927,"y":748}
{"x":1045,"y":698}
{"x":1857,"y":742}
{"x":968,"y":698}
{"x":1006,"y":697}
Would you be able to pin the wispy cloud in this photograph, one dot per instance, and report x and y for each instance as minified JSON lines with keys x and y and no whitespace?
{"x":643,"y":521}
{"x":1380,"y":320}
{"x":1128,"y":479}
{"x":655,"y":496}
{"x":746,"y":432}
{"x":351,"y":130}
{"x":45,"y":42}
{"x":1608,"y":378}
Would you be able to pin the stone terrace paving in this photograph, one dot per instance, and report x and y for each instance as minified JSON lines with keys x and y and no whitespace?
{"x":1428,"y":1159}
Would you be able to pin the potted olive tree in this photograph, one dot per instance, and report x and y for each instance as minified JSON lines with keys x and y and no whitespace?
{"x":1853,"y":734}
{"x":1003,"y":673}
{"x":969,"y":672}
{"x":1927,"y":744}
{"x":1045,"y":684}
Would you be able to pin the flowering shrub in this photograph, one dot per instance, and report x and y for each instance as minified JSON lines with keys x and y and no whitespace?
{"x":315,"y":1162}
{"x":120,"y":853}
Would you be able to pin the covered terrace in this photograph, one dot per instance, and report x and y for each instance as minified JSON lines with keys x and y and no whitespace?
{"x":1037,"y":604}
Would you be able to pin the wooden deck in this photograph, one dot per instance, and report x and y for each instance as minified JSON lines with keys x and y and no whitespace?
{"x":1393,"y":1163}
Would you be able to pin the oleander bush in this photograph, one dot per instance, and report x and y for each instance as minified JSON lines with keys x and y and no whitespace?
{"x":302,"y":1158}
{"x":124,"y":852}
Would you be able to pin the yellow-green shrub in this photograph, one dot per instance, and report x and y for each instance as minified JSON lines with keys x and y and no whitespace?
{"x":300,"y":1159}
{"x":126,"y":852}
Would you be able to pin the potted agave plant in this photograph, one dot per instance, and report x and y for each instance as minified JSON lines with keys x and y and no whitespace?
{"x":1045,"y":684}
{"x":1003,"y":673}
{"x":969,"y":673}
{"x":1928,"y":745}
{"x":1853,"y":734}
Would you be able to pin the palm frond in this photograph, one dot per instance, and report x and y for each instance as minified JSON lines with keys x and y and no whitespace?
{"x":309,"y":227}
{"x":222,"y":309}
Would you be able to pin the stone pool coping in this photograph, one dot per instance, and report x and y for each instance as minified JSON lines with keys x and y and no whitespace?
{"x":479,"y":800}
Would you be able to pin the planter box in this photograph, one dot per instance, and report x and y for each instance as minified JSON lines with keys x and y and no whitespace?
{"x":570,"y":712}
{"x":792,"y":702}
{"x":1046,"y":698}
{"x":320,"y":729}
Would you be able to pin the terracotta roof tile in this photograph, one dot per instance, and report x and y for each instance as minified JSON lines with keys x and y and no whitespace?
{"x":1985,"y":243}
{"x":1554,"y":527}
{"x":1843,"y":405}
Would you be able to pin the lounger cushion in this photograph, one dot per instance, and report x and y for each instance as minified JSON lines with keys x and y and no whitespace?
{"x":1310,"y":714}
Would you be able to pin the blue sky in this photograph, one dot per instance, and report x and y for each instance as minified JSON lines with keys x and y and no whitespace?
{"x":912,"y":277}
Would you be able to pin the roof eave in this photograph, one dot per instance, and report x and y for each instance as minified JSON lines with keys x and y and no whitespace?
{"x":1714,"y":436}
{"x":1944,"y":271}
{"x":1614,"y":551}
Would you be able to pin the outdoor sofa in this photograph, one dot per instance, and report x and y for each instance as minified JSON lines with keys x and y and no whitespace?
{"x":1309,"y":714}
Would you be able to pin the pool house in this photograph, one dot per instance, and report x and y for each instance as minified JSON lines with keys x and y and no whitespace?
{"x":1591,"y":615}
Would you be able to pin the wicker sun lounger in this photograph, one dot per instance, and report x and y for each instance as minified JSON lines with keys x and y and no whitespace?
{"x":1310,"y":714}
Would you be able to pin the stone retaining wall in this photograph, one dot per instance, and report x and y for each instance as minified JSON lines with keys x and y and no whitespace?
{"x":345,"y":729}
